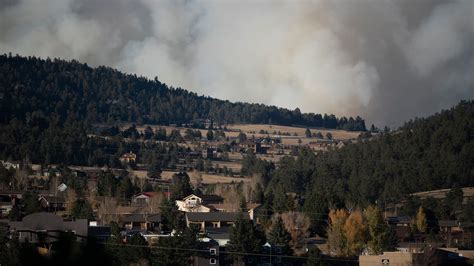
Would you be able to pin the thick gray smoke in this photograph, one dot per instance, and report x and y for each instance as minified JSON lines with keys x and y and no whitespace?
{"x":385,"y":60}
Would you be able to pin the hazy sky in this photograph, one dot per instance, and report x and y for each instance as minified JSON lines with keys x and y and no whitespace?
{"x":387,"y":61}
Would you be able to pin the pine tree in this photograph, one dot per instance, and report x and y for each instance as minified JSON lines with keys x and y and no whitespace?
{"x":278,"y":235}
{"x":210,"y":135}
{"x":280,"y":200}
{"x":380,"y":235}
{"x":181,"y":186}
{"x":244,"y":238}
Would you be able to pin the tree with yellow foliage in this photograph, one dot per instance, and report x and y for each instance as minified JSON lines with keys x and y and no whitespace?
{"x":336,"y":236}
{"x":355,"y":233}
{"x":421,"y":223}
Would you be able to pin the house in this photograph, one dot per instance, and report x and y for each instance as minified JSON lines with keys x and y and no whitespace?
{"x":52,"y":203}
{"x":430,"y":256}
{"x":5,"y":208}
{"x":142,"y":221}
{"x":209,"y":153}
{"x":277,"y":252}
{"x":101,"y":233}
{"x":47,"y":227}
{"x":248,"y":145}
{"x":10,"y":165}
{"x":142,"y":198}
{"x":449,"y":226}
{"x":212,"y":219}
{"x":209,"y":253}
{"x":194,"y":203}
{"x":456,"y":233}
{"x":227,"y":207}
{"x":399,"y":221}
{"x":8,"y":200}
{"x":128,"y":157}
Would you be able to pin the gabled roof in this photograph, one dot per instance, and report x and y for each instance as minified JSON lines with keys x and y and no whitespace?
{"x":206,"y":198}
{"x":211,"y":198}
{"x":448,"y":223}
{"x":140,"y":217}
{"x":52,"y":199}
{"x":214,"y":216}
{"x":191,"y":195}
{"x":49,"y":221}
{"x":148,"y":194}
{"x":227,"y":207}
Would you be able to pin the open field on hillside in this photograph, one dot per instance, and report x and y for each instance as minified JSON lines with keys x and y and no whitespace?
{"x":254,"y":129}
{"x":441,"y":193}
{"x":206,"y":178}
{"x":300,"y":131}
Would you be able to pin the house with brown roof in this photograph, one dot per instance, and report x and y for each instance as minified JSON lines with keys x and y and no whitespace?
{"x":142,"y":198}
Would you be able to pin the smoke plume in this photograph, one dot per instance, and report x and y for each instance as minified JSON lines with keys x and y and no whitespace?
{"x":387,"y":61}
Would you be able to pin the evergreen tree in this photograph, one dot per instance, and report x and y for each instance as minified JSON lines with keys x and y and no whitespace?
{"x":82,"y":210}
{"x":278,"y":235}
{"x":280,"y":201}
{"x":172,"y":218}
{"x":30,"y":203}
{"x":258,"y":194}
{"x":176,"y":249}
{"x":9,"y":247}
{"x":315,"y":207}
{"x":380,"y":236}
{"x":181,"y":186}
{"x":244,"y":238}
{"x":154,"y":169}
{"x":454,"y":200}
{"x":210,"y":135}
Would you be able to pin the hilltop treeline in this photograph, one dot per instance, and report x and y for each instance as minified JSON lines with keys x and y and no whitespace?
{"x":56,"y":90}
{"x":424,"y":154}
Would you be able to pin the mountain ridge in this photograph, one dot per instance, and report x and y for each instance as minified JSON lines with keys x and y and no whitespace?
{"x":106,"y":95}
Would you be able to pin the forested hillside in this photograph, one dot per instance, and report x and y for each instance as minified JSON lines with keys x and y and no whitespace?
{"x":424,"y":154}
{"x":33,"y":88}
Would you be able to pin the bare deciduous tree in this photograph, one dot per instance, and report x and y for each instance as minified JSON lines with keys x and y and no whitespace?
{"x":20,"y":179}
{"x":155,"y":203}
{"x":196,"y":179}
{"x":107,"y":211}
{"x":336,"y":236}
{"x":71,"y":198}
{"x":297,"y":224}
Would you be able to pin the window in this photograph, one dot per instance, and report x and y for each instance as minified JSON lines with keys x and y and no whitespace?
{"x":278,"y":250}
{"x":212,"y":261}
{"x":212,"y":251}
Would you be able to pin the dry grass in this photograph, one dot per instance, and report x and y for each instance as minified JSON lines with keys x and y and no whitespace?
{"x":441,"y":193}
{"x":235,"y":166}
{"x":206,"y":178}
{"x":300,"y":131}
{"x":250,"y":128}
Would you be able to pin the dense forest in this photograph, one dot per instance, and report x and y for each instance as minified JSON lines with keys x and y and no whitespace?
{"x":38,"y":90}
{"x":424,"y":154}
